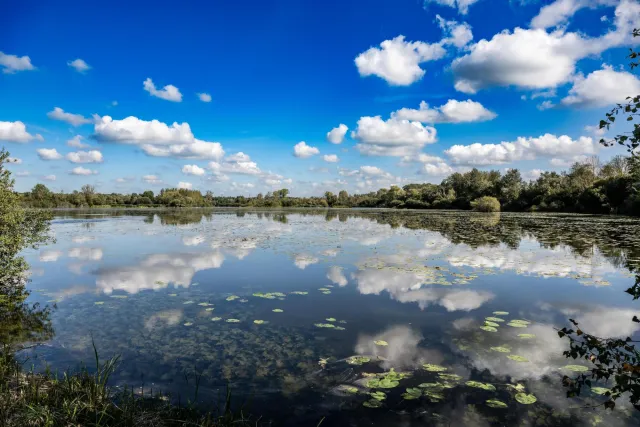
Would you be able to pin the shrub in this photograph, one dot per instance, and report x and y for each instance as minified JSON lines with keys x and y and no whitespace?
{"x":486,"y":204}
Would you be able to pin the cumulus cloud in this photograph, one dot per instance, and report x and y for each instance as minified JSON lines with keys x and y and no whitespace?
{"x":237,"y":164}
{"x":156,"y":138}
{"x":528,"y":148}
{"x":451,"y":112}
{"x":48,"y":154}
{"x":534,"y":58}
{"x":73,"y":119}
{"x":14,"y":160}
{"x":204,"y":97}
{"x":49,"y":177}
{"x":559,"y":12}
{"x":336,"y":135}
{"x":545,"y":105}
{"x":193,"y":170}
{"x":83,"y":171}
{"x":456,"y":34}
{"x":152,"y":179}
{"x":601,"y":88}
{"x":185,"y":185}
{"x":93,"y":156}
{"x":331,"y":158}
{"x":302,"y":151}
{"x":11,"y":63}
{"x":393,"y":137}
{"x":430,"y":165}
{"x":76,"y":142}
{"x":168,"y":93}
{"x":461,"y":5}
{"x":23,"y":173}
{"x":16,"y":132}
{"x":79,"y":65}
{"x":398,"y":61}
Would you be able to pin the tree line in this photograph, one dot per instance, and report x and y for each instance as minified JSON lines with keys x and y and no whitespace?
{"x":587,"y":187}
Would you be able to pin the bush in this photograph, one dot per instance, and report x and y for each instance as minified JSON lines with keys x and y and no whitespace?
{"x":486,"y":204}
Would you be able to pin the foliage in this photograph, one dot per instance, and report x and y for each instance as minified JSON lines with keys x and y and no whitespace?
{"x":486,"y":204}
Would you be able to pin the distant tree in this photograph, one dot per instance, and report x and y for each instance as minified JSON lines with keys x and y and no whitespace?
{"x":486,"y":204}
{"x":331,"y":198}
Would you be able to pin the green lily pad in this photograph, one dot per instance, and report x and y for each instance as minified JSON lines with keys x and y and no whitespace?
{"x":348,"y":389}
{"x":524,"y":322}
{"x":526,"y":399}
{"x":99,"y":302}
{"x":277,"y":310}
{"x":233,"y":321}
{"x":412,"y":393}
{"x":323,"y":289}
{"x":494,"y":319}
{"x":188,"y":324}
{"x":232,"y":297}
{"x":434,"y":368}
{"x":173,"y":295}
{"x":330,"y":319}
{"x":501,"y":313}
{"x":517,"y":387}
{"x":324,"y":325}
{"x":501,"y":349}
{"x":388,"y":383}
{"x":600,"y":390}
{"x":517,"y":325}
{"x":381,"y":343}
{"x":208,"y":309}
{"x":216,"y":319}
{"x":203,"y":304}
{"x":358,"y":360}
{"x":577,"y":368}
{"x":483,"y":386}
{"x":434,"y":396}
{"x":378,"y":395}
{"x":450,"y":377}
{"x":488,"y":328}
{"x":326,"y":292}
{"x":373,"y":403}
{"x":188,"y":302}
{"x":493,"y":403}
{"x":494,"y":324}
{"x":526,"y":336}
{"x":516,"y":358}
{"x":340,"y":328}
{"x":259,"y":322}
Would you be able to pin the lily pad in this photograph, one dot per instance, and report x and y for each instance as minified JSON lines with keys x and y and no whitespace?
{"x":277,"y":310}
{"x":323,"y":289}
{"x":501,"y":313}
{"x":493,"y":403}
{"x":434,"y":368}
{"x":377,"y":395}
{"x":330,"y":319}
{"x":358,"y":360}
{"x":373,"y":403}
{"x":99,"y":302}
{"x":526,"y":399}
{"x":216,"y":319}
{"x":259,"y":322}
{"x":517,"y":387}
{"x":412,"y":394}
{"x":501,"y":349}
{"x":494,"y":324}
{"x":388,"y":383}
{"x":203,"y":304}
{"x":348,"y":389}
{"x":232,"y":297}
{"x":600,"y":390}
{"x":326,"y":292}
{"x":450,"y":377}
{"x":324,"y":325}
{"x":208,"y":309}
{"x":524,"y":322}
{"x":173,"y":295}
{"x":188,"y":324}
{"x":187,"y":302}
{"x":517,"y":325}
{"x":483,"y":386}
{"x":233,"y":321}
{"x":381,"y":343}
{"x":516,"y":358}
{"x":577,"y":368}
{"x":494,"y":319}
{"x":488,"y":328}
{"x":434,"y":396}
{"x":526,"y":336}
{"x":340,"y":328}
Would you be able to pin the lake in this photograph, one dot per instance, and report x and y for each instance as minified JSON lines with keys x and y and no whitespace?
{"x":304,"y":313}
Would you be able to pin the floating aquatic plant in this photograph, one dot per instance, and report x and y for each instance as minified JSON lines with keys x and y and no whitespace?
{"x":600,"y":390}
{"x":187,"y":302}
{"x":517,"y":325}
{"x":378,"y":395}
{"x":203,"y":304}
{"x":208,"y":309}
{"x":330,"y":319}
{"x":488,"y":328}
{"x":277,"y":310}
{"x":412,"y":394}
{"x":326,"y":292}
{"x":501,"y":313}
{"x":233,"y":321}
{"x":188,"y":324}
{"x":501,"y":349}
{"x":493,"y":403}
{"x":358,"y":360}
{"x":258,"y":322}
{"x":216,"y":319}
{"x":339,"y":328}
{"x":373,"y":403}
{"x":494,"y":319}
{"x":483,"y":386}
{"x":232,"y":297}
{"x":576,"y":368}
{"x":526,"y":399}
{"x":324,"y":325}
{"x":323,"y":289}
{"x":173,"y":295}
{"x":450,"y":377}
{"x":99,"y":302}
{"x":381,"y":343}
{"x":348,"y":389}
{"x":434,"y":368}
{"x":494,"y":324}
{"x":516,"y":358}
{"x":526,"y":336}
{"x":434,"y":396}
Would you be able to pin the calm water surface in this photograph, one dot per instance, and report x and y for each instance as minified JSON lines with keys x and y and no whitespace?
{"x":276,"y":303}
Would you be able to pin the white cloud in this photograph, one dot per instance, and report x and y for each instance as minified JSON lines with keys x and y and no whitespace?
{"x":73,"y":119}
{"x":239,"y":164}
{"x":398,"y":61}
{"x":336,"y":276}
{"x":372,"y":171}
{"x":331,"y":158}
{"x":76,"y":142}
{"x":602,"y":88}
{"x":532,"y":175}
{"x":83,"y":171}
{"x":461,"y":5}
{"x":152,"y":179}
{"x":242,"y":185}
{"x":168,"y":93}
{"x":521,"y":149}
{"x":393,"y":137}
{"x":16,"y":132}
{"x":49,"y":178}
{"x":14,"y":160}
{"x":12,"y":63}
{"x":336,"y":135}
{"x":545,"y":105}
{"x":430,"y":165}
{"x":48,"y":154}
{"x":193,"y":170}
{"x":185,"y":185}
{"x":204,"y":97}
{"x":23,"y":173}
{"x":157,"y":138}
{"x":93,"y":156}
{"x":451,"y":112}
{"x":559,"y":12}
{"x":456,"y":34}
{"x":536,"y":59}
{"x":303,"y":151}
{"x":595,"y":130}
{"x":79,"y":65}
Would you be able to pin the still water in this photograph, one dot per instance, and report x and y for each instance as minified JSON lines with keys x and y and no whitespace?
{"x":276,"y":304}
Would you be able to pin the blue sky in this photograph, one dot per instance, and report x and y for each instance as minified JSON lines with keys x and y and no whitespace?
{"x":504,"y":83}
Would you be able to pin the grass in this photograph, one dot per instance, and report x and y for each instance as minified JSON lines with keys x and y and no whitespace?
{"x":84,"y":398}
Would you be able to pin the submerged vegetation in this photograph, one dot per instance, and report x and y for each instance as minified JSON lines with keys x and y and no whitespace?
{"x":588,"y":187}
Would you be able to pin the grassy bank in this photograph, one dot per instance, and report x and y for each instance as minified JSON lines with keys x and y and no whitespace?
{"x":83,"y":398}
